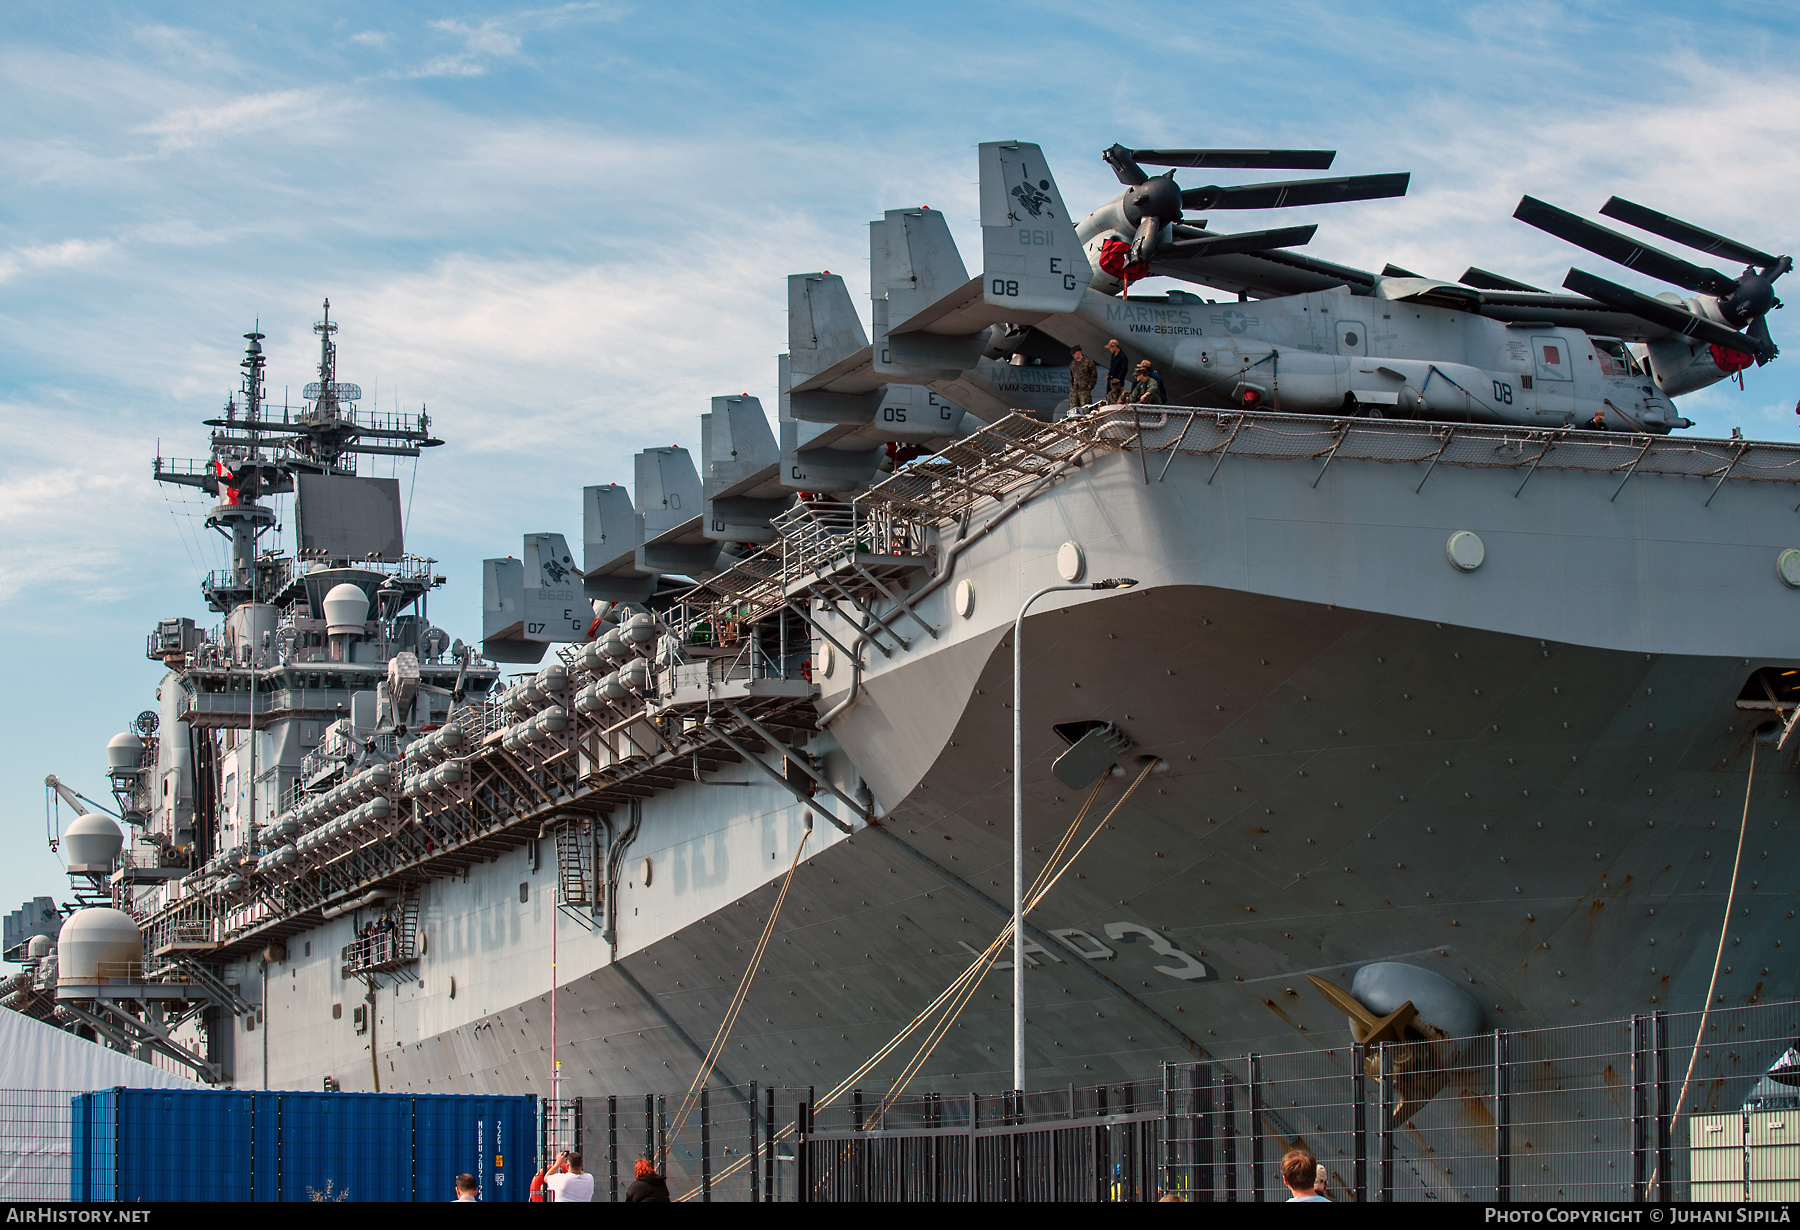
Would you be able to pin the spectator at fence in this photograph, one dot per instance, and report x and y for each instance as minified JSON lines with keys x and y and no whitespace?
{"x":1304,"y":1177}
{"x":648,"y":1186}
{"x":570,"y":1181}
{"x":466,"y":1188}
{"x":540,"y":1187}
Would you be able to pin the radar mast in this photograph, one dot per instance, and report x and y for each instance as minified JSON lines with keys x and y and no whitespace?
{"x":254,"y":456}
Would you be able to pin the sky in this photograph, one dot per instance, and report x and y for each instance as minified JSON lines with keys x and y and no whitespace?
{"x":563,"y":228}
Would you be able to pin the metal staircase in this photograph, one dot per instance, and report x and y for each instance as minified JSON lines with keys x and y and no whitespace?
{"x":575,"y":864}
{"x":388,"y":952}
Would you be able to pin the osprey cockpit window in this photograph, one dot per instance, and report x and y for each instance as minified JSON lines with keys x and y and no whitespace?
{"x":1614,"y":358}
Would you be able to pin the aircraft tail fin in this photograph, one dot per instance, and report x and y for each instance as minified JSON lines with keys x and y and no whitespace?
{"x":611,"y":533}
{"x":502,"y":597}
{"x":502,"y":602}
{"x":736,"y":444}
{"x":738,"y":459}
{"x":913,"y":262}
{"x":555,"y":607}
{"x":667,"y":488}
{"x":1032,"y":259}
{"x":609,"y":527}
{"x":823,"y":327}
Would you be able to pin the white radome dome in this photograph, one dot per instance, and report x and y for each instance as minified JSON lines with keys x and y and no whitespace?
{"x":124,"y":750}
{"x":95,"y":937}
{"x":92,"y":840}
{"x":346,"y":609}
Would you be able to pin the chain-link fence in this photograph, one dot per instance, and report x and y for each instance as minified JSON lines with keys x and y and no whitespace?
{"x":735,"y":1142}
{"x":1077,"y":1144}
{"x":1602,"y":1111}
{"x":34,"y":1144}
{"x":1592,"y":1112}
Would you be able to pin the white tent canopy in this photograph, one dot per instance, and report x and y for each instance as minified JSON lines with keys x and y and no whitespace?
{"x":34,"y":1055}
{"x":41,"y":1068}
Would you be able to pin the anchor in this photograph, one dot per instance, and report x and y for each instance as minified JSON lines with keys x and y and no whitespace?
{"x":1421,"y":1057}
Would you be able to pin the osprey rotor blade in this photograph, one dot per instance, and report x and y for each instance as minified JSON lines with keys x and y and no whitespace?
{"x":1241,"y":159}
{"x":1296,"y":192}
{"x":1623,"y":249}
{"x":1758,"y":331}
{"x":1481,"y":279}
{"x":1244,"y":241}
{"x":1124,"y":166}
{"x":1684,"y":233}
{"x":1667,"y":315}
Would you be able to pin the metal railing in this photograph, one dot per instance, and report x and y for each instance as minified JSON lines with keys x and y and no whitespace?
{"x":1485,"y":446}
{"x":1570,"y":1113}
{"x":371,"y":952}
{"x":34,"y":1144}
{"x":1092,"y":1144}
{"x":735,"y":1145}
{"x":1583,"y":1112}
{"x":112,"y":971}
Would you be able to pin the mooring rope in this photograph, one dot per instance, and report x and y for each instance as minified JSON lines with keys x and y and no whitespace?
{"x":959,"y":991}
{"x":692,"y":1099}
{"x":1718,"y":960}
{"x":963,"y":988}
{"x":975,"y":970}
{"x":1046,"y":880}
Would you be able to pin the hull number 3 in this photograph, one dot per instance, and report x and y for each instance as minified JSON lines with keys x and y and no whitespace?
{"x":1174,"y":962}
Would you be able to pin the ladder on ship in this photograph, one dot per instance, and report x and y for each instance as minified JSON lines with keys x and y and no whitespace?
{"x":560,"y":1128}
{"x":576,"y":885}
{"x":386,"y":951}
{"x":406,"y":935}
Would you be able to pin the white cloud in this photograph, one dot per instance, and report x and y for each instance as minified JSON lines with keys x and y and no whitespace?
{"x":74,"y":507}
{"x":489,"y":40}
{"x":188,"y":49}
{"x":543,"y":376}
{"x":461,"y":65}
{"x":189,"y":126}
{"x":495,"y":39}
{"x":50,"y":256}
{"x":370,"y":38}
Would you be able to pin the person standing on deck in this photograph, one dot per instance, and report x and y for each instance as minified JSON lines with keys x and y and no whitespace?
{"x":1083,"y":373}
{"x":1117,"y":368}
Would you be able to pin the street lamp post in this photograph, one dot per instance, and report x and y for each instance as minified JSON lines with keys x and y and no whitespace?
{"x":1018,"y":920}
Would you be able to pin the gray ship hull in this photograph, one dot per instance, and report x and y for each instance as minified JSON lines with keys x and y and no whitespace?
{"x":1382,"y":768}
{"x":1264,"y":861}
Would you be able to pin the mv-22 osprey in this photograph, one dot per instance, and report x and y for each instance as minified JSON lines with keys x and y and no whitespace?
{"x":1304,"y":335}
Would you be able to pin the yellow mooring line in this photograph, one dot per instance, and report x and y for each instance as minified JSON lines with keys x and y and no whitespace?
{"x":962,"y":989}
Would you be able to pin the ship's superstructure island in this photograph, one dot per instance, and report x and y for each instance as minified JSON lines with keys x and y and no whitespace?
{"x":1403,"y":667}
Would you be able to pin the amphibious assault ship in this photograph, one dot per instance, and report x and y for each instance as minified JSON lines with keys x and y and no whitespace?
{"x":1453,"y":714}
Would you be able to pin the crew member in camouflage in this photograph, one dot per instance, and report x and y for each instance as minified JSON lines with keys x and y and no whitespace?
{"x":1084,"y":373}
{"x":1148,"y":387}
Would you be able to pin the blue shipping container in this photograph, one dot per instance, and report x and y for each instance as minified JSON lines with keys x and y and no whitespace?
{"x":225,"y":1144}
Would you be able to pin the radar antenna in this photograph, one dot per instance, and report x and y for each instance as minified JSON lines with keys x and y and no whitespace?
{"x":254,"y":456}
